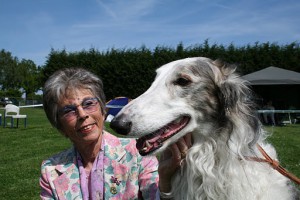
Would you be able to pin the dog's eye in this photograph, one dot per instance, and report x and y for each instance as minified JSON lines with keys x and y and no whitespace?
{"x":182,"y":81}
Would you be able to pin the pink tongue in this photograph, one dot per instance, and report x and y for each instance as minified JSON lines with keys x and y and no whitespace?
{"x":161,"y":135}
{"x":166,"y":132}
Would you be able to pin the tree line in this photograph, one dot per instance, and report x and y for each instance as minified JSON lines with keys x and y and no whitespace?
{"x":129,"y":72}
{"x":18,"y":77}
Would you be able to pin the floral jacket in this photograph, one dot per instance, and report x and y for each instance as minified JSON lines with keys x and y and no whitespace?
{"x":138,"y":175}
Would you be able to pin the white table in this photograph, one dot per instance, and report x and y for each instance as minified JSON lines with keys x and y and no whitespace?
{"x":289,"y":112}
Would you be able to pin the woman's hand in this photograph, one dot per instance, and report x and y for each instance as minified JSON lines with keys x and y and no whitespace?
{"x":171,"y":159}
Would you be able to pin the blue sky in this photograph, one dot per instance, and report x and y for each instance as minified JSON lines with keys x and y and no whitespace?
{"x":30,"y":28}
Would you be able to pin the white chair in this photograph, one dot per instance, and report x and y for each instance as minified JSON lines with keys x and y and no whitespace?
{"x":12,"y":112}
{"x":0,"y":119}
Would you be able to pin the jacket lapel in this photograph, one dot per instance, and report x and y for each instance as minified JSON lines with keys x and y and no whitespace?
{"x":115,"y":168}
{"x":67,"y":179}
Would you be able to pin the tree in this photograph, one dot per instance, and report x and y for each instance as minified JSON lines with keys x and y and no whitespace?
{"x":8,"y":69}
{"x":28,"y":77}
{"x":16,"y":77}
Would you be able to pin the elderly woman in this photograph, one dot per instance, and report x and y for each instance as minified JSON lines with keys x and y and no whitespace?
{"x":99,"y":165}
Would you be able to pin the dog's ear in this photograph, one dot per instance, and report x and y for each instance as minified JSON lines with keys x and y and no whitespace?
{"x":228,"y":84}
{"x":235,"y":99}
{"x":225,"y":68}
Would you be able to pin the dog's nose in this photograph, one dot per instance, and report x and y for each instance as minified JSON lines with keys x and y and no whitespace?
{"x":121,"y":125}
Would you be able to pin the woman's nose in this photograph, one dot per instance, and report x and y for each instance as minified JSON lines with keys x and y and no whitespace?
{"x":81,"y":113}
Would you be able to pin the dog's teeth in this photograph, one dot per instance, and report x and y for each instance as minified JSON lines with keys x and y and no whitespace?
{"x":145,"y":148}
{"x":147,"y":144}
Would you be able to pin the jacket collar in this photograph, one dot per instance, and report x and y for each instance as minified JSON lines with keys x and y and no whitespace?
{"x":67,"y":173}
{"x":113,"y":147}
{"x":66,"y":177}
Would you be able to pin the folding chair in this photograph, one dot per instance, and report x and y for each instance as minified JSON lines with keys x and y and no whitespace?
{"x":12,"y":112}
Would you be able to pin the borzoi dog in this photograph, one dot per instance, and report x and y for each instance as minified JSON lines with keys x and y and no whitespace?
{"x":208,"y":99}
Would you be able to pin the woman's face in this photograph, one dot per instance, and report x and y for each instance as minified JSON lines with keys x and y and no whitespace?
{"x":81,"y":117}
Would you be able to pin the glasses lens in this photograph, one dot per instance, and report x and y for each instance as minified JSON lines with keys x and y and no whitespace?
{"x":90,"y":105}
{"x":69,"y":112}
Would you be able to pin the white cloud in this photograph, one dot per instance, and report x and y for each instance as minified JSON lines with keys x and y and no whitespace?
{"x":127,"y":10}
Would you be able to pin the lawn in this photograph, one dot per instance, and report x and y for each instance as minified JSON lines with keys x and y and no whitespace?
{"x":23,"y":149}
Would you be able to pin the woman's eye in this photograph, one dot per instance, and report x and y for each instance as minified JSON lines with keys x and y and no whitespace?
{"x":66,"y":111}
{"x":182,"y":81}
{"x":87,"y":103}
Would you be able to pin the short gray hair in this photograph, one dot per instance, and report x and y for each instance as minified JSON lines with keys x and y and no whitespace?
{"x":58,"y":83}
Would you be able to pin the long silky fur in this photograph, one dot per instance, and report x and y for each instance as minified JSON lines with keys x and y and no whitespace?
{"x":216,"y":166}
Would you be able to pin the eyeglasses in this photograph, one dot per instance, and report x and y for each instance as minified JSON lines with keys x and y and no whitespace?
{"x":70,"y":112}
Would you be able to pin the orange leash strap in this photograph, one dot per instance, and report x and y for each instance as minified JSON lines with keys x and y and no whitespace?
{"x":275,"y":164}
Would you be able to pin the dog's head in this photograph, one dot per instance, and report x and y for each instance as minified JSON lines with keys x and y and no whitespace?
{"x":195,"y":95}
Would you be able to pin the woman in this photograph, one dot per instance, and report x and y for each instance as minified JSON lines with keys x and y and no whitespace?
{"x":99,"y":165}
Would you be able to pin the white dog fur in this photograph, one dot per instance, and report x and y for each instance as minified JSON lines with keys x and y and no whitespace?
{"x":224,"y":126}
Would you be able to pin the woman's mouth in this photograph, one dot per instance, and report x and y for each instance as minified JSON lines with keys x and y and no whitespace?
{"x":87,"y":128}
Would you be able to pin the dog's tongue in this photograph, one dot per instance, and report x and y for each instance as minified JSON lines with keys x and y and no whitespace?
{"x":151,"y":142}
{"x":145,"y":145}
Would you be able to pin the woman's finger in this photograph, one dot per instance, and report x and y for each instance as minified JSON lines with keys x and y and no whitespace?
{"x":188,"y":140}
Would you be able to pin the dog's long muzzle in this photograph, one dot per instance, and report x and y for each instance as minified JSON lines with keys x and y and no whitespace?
{"x":121,"y":125}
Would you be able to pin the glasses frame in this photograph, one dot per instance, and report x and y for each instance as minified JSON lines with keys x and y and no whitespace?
{"x":70,"y":112}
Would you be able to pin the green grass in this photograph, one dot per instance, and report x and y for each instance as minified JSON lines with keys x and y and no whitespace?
{"x":21,"y":152}
{"x":23,"y":149}
{"x":286,"y":139}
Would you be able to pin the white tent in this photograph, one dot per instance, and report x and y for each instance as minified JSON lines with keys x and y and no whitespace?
{"x":279,"y":85}
{"x":273,"y":76}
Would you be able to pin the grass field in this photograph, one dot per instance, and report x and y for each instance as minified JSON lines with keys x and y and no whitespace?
{"x":23,"y":149}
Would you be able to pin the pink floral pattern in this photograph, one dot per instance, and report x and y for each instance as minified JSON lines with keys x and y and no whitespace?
{"x":63,"y":182}
{"x":75,"y":188}
{"x":136,"y":174}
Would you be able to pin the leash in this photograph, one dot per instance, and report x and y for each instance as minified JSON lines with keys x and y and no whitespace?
{"x":275,"y":165}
